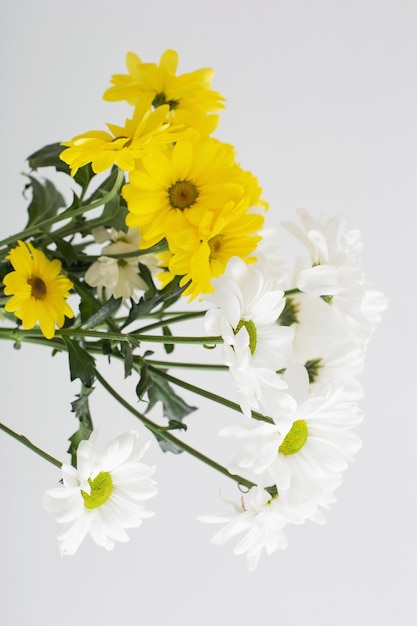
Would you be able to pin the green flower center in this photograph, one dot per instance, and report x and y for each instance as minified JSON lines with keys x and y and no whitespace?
{"x":182,"y":194}
{"x":295,"y":438}
{"x":290,"y":313}
{"x":251,"y":328}
{"x":38,"y":287}
{"x":328,"y":299}
{"x":313,"y":367}
{"x":161,"y":99}
{"x":101,"y":489}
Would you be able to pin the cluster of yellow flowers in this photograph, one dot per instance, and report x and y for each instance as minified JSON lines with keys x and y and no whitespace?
{"x":184,"y":186}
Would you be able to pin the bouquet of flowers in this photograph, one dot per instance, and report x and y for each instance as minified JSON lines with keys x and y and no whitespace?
{"x":164,"y":227}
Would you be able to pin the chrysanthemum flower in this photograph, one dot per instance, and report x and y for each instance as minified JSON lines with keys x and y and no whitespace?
{"x":197,"y":175}
{"x":307,"y":461}
{"x":144,"y":134}
{"x":328,"y":240}
{"x":189,"y":96}
{"x":39,"y":291}
{"x":262,"y":518}
{"x":104,"y":495}
{"x":201,"y":253}
{"x":119,"y":276}
{"x":245,"y":313}
{"x":336,"y":273}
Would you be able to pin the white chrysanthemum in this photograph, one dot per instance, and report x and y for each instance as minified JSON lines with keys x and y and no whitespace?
{"x":104,"y":495}
{"x":307,"y":461}
{"x":336,"y":273}
{"x":342,"y":361}
{"x":119,"y":276}
{"x":262,"y":519}
{"x":245,"y":313}
{"x":328,"y":241}
{"x":326,"y":352}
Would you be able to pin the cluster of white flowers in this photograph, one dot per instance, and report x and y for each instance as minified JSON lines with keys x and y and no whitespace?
{"x":294,"y":347}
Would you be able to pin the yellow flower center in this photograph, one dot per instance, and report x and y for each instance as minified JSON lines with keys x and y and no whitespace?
{"x":38,"y":287}
{"x":101,"y":489}
{"x":182,"y":194}
{"x":251,"y":328}
{"x":295,"y":438}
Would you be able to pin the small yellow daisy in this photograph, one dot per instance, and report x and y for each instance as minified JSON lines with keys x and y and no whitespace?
{"x":146,"y":132}
{"x":201,"y":253}
{"x":38,"y":289}
{"x":190,"y":99}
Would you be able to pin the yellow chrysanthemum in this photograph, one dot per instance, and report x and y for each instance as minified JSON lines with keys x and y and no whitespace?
{"x":146,"y":132}
{"x":189,"y":96}
{"x":38,"y":289}
{"x":198,"y":174}
{"x":201,"y":253}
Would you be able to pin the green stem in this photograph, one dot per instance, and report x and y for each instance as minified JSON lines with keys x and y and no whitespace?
{"x":183,"y":317}
{"x":165,"y":434}
{"x":68,"y":214}
{"x":292,"y":292}
{"x":193,"y":366}
{"x":137,"y":337}
{"x":25,"y":441}
{"x":206,"y":394}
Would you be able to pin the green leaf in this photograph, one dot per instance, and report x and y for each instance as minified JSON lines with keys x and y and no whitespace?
{"x":174,"y":407}
{"x":126,"y":350}
{"x":81,"y":409}
{"x":46,"y":200}
{"x":152,"y":297}
{"x":169,"y":347}
{"x":81,"y":363}
{"x":114,"y":214}
{"x":48,"y":156}
{"x":103,"y":313}
{"x":84,"y":175}
{"x":88,"y":304}
{"x":144,"y":383}
{"x":66,"y":250}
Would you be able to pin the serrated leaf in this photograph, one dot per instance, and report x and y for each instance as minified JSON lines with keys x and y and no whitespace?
{"x":103,"y":313}
{"x":174,"y":407}
{"x":81,"y":409}
{"x":81,"y":363}
{"x":46,"y":200}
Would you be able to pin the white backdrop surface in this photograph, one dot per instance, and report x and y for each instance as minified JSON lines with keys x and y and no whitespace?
{"x":321,"y":106}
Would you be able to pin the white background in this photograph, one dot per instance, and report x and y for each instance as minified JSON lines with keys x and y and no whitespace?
{"x":321,"y":106}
